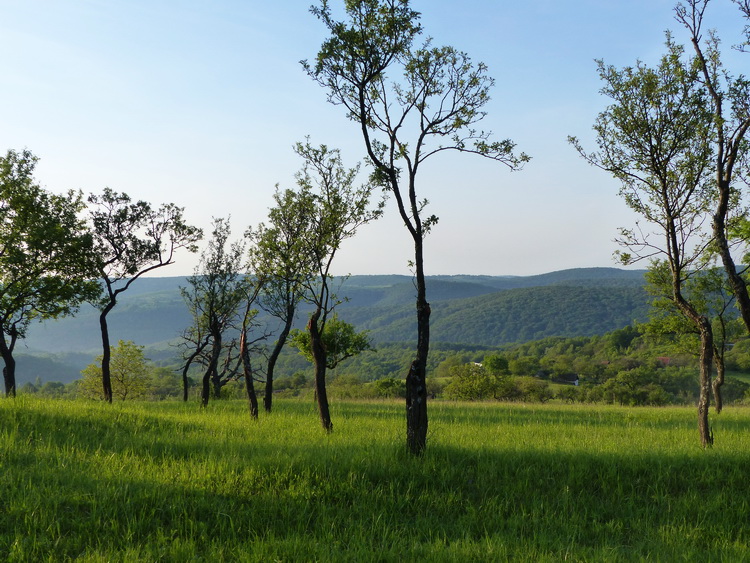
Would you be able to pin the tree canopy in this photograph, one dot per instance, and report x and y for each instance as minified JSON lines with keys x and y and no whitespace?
{"x":45,"y":255}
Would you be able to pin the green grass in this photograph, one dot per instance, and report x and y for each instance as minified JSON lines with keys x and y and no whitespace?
{"x":169,"y":482}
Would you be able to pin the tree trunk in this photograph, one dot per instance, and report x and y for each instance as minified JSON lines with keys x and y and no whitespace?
{"x":703,"y":324}
{"x":211,"y":372}
{"x":248,"y":372}
{"x":9,"y":371}
{"x":9,"y":375}
{"x":185,"y":382}
{"x":106,"y":353}
{"x":718,"y":382}
{"x":268,"y":397}
{"x":206,"y":388}
{"x":738,"y":285}
{"x":217,"y":384}
{"x":416,"y":385}
{"x":704,"y":397}
{"x":319,"y":360}
{"x":186,"y":368}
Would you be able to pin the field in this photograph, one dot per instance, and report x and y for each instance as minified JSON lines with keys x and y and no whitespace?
{"x":168,"y":482}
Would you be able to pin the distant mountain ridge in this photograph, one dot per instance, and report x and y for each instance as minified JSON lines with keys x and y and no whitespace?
{"x":471,"y":310}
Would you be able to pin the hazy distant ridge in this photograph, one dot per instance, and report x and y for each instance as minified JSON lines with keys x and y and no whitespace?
{"x":476,"y":310}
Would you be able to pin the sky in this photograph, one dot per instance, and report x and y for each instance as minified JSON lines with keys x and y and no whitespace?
{"x":199,"y":103}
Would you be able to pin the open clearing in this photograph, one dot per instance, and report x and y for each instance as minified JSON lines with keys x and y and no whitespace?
{"x":167,"y":481}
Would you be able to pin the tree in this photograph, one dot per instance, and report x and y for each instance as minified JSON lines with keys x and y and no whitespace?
{"x":279,"y":261}
{"x":729,"y":103}
{"x":432,"y":108}
{"x":336,"y":209}
{"x":44,"y":250}
{"x":130,"y":371}
{"x":495,"y":364}
{"x":340,"y":340}
{"x":653,"y":138}
{"x":390,"y":387}
{"x":470,"y":382}
{"x":216,"y":291}
{"x":248,"y":322}
{"x":130,"y":240}
{"x":711,"y":295}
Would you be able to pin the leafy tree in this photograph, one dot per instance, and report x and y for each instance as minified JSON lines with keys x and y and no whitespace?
{"x":411,"y":103}
{"x":130,"y":371}
{"x":336,"y":208}
{"x":390,"y":387}
{"x":524,"y":365}
{"x":470,"y":382}
{"x":729,"y":135}
{"x":130,"y":240}
{"x":495,"y":364}
{"x":654,"y":139}
{"x":533,"y":389}
{"x":278,"y":259}
{"x":711,"y":295}
{"x":340,"y":339}
{"x":166,"y":383}
{"x":44,"y":256}
{"x":214,"y":294}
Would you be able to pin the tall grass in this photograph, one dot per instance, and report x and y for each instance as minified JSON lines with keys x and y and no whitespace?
{"x":169,"y":482}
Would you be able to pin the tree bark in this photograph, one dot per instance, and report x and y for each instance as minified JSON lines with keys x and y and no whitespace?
{"x":704,"y":397}
{"x":211,"y":372}
{"x":9,"y":375}
{"x":268,"y":396}
{"x":319,"y":361}
{"x":106,"y":353}
{"x":738,"y":285}
{"x":703,"y":324}
{"x":717,"y":383}
{"x":248,"y":372}
{"x":416,"y":385}
{"x":9,"y":371}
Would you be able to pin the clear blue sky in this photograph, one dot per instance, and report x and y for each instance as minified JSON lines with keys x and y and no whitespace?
{"x":199,"y":103}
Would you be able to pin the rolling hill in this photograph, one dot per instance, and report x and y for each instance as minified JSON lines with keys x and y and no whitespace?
{"x":471,"y":310}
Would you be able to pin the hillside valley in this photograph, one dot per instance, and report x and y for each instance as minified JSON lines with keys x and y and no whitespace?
{"x":466,"y":310}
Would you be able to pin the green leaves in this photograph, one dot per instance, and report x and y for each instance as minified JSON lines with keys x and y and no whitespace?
{"x":412,"y":102}
{"x":340,"y":341}
{"x":132,"y":238}
{"x":44,"y":248}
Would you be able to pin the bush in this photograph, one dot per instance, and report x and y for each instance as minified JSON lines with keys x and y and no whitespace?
{"x":390,"y":387}
{"x":570,"y":394}
{"x":470,"y":382}
{"x":534,"y":390}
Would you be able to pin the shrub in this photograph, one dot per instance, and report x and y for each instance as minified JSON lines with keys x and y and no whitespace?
{"x":470,"y":382}
{"x":390,"y":387}
{"x":534,"y":390}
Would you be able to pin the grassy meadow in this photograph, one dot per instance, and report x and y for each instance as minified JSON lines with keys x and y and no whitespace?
{"x":167,"y":481}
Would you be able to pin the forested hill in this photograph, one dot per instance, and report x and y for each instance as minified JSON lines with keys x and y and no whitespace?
{"x":478,"y":310}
